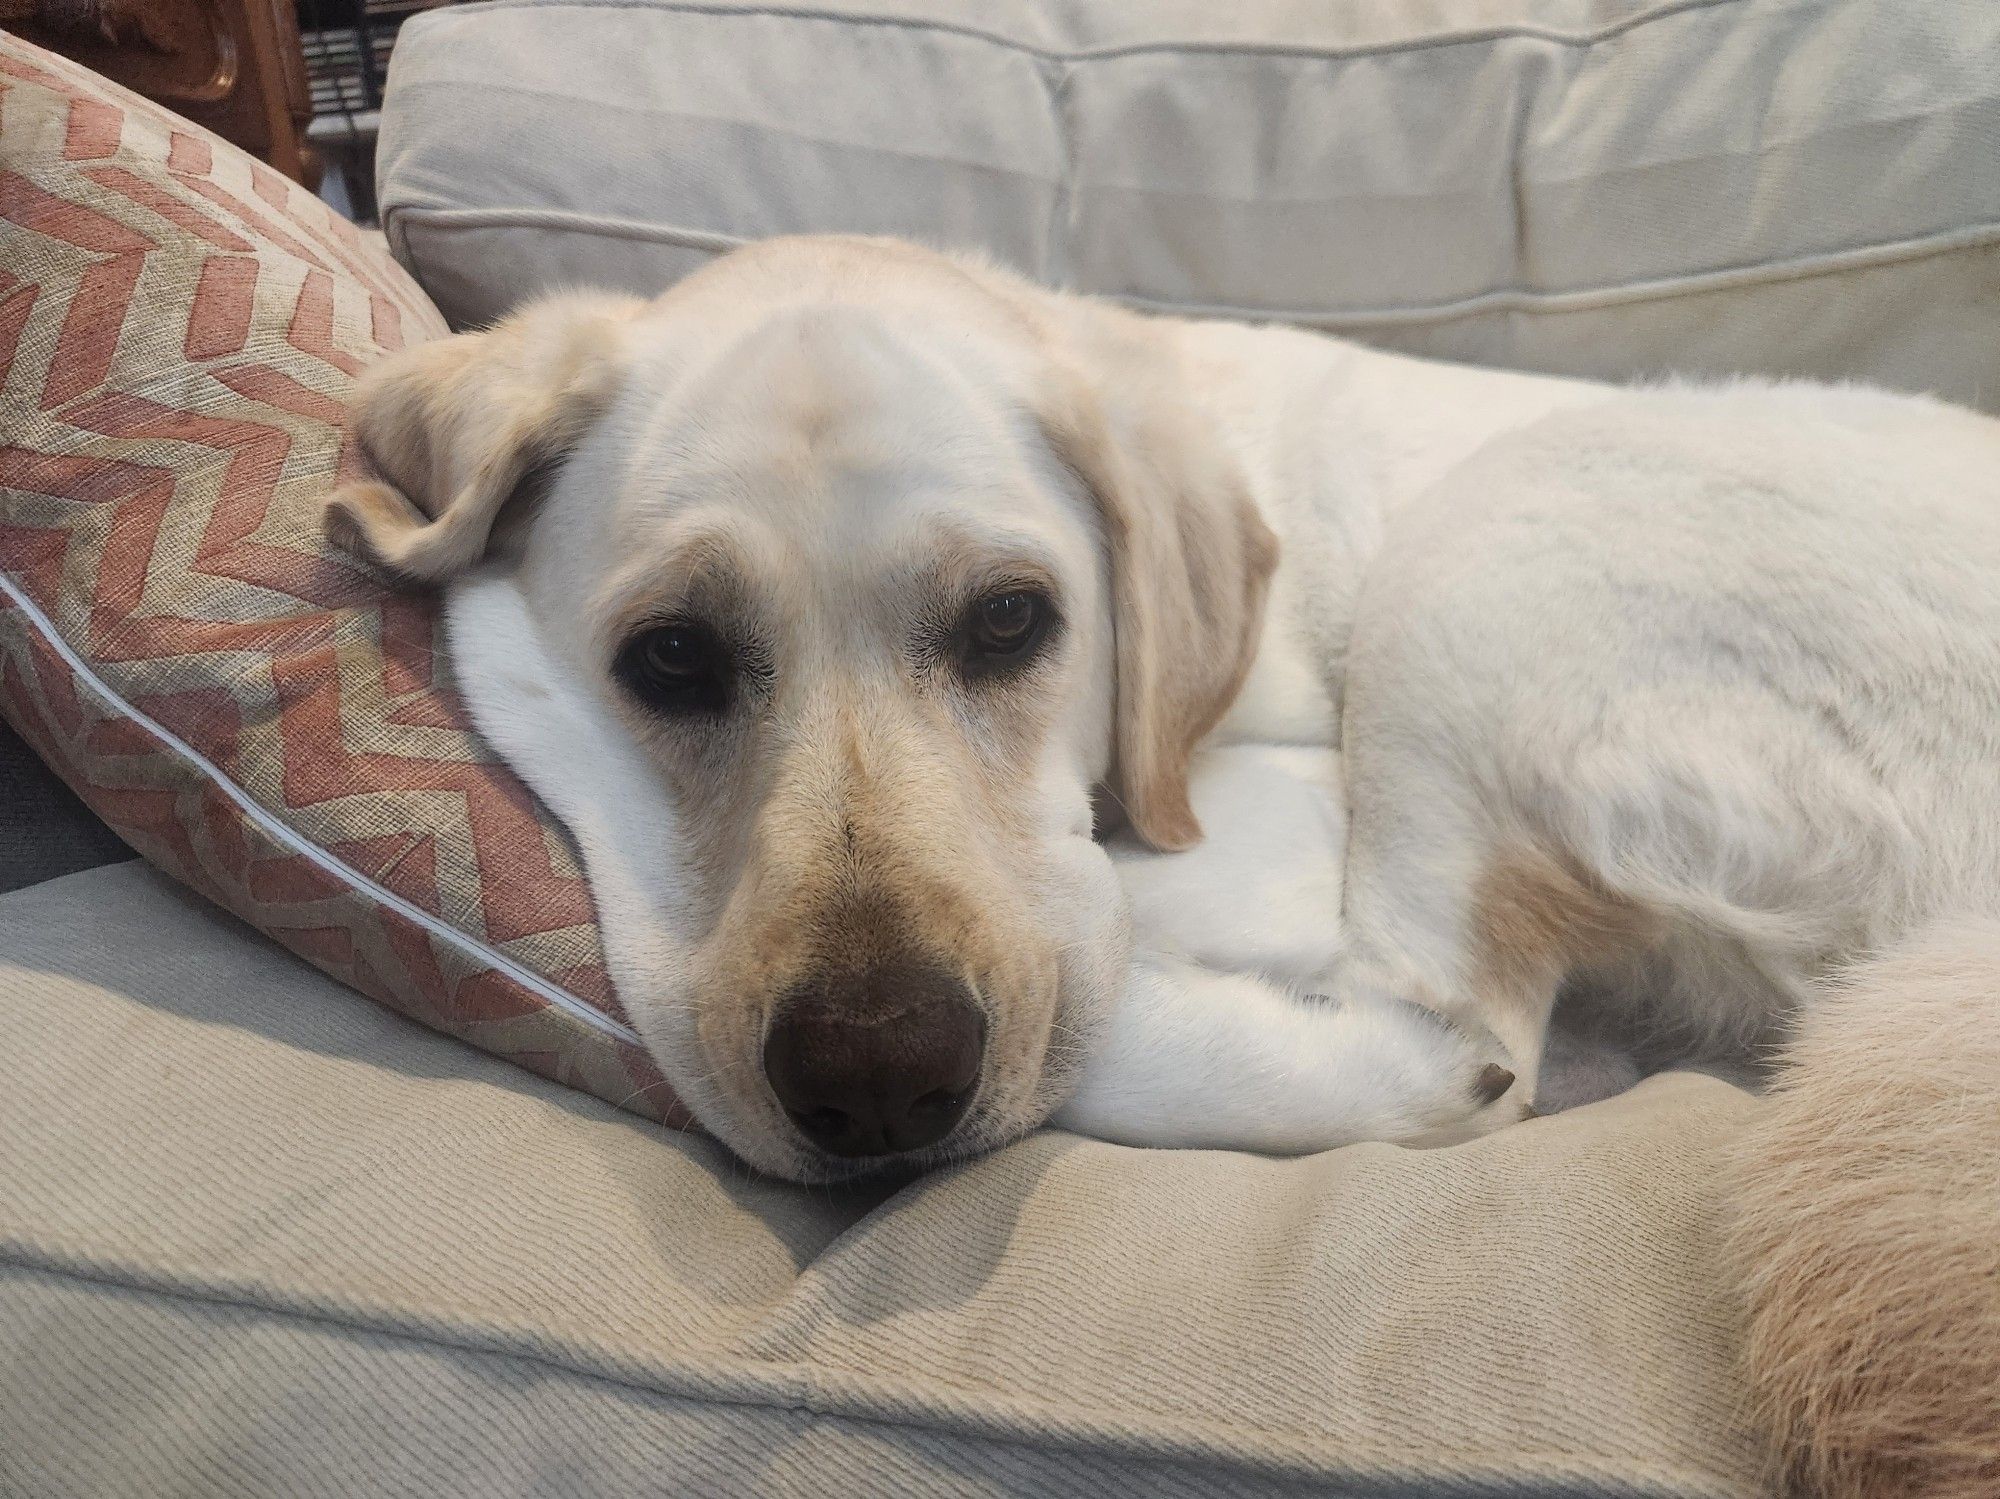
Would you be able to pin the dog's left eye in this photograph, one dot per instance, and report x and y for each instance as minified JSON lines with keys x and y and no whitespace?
{"x":1003,"y":629}
{"x":677,"y":666}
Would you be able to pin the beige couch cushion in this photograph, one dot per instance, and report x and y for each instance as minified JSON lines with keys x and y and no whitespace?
{"x":1599,"y":187}
{"x":260,"y":1236}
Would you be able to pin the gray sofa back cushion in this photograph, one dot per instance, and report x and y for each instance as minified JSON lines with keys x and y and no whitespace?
{"x":1603,"y":187}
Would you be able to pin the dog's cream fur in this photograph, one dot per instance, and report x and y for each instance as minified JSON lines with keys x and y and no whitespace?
{"x":1682,"y":696}
{"x":846,"y":431}
{"x":1866,"y":1196}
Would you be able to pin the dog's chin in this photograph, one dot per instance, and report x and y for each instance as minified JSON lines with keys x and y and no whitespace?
{"x":806,"y":1167}
{"x":819,"y":1170}
{"x":784,"y":1157}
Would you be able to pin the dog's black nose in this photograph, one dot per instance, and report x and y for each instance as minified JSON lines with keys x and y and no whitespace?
{"x":877,"y":1063}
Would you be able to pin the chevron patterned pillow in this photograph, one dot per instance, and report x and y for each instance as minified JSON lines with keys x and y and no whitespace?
{"x":251,"y":711}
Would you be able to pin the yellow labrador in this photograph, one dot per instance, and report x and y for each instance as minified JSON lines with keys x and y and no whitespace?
{"x":835,"y":596}
{"x":836,"y":599}
{"x":844,"y":596}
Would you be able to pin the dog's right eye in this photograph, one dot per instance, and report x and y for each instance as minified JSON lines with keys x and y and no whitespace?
{"x":676,"y":666}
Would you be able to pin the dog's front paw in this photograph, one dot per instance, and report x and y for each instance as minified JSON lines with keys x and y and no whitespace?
{"x":1228,"y":1061}
{"x":1412,"y":1076}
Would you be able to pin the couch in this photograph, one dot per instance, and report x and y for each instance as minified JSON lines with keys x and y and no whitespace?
{"x":259,"y":1235}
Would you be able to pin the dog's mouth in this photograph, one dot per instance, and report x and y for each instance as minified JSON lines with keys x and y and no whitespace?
{"x":819,"y":1168}
{"x":1000,"y":1111}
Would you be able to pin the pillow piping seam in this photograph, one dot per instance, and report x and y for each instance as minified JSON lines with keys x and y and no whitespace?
{"x":282,"y":832}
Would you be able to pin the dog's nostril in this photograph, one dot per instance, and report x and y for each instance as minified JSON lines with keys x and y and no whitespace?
{"x":821,"y":1124}
{"x":940,"y":1101}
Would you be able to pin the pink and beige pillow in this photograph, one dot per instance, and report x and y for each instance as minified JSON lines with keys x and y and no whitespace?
{"x":252,"y":711}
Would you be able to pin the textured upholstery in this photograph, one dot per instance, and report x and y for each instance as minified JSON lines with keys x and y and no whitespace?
{"x":259,"y":1236}
{"x":250,"y":710}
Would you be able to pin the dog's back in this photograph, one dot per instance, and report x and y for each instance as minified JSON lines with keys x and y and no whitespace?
{"x":1726,"y":666}
{"x":1734,"y":655}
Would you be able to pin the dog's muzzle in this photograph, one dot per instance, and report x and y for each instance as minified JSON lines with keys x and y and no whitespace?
{"x":877,"y":1063}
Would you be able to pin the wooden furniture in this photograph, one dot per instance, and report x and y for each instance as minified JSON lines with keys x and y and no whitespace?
{"x":232,"y":65}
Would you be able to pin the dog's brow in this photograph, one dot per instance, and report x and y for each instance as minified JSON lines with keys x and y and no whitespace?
{"x":1013,"y":569}
{"x":703,"y":572}
{"x":961,"y":557}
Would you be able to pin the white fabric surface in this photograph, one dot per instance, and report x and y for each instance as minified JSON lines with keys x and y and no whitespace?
{"x":1601,"y":187}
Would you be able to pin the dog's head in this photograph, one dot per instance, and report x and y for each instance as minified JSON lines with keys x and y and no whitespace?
{"x":884,"y":568}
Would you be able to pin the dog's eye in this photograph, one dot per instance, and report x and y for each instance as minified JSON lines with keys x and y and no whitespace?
{"x":677,"y":666}
{"x":1003,"y":629}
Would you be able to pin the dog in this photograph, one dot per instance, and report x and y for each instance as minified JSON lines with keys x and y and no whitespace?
{"x":879,"y":619}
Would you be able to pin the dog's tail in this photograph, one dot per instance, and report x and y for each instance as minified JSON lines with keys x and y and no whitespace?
{"x":1867,"y":1229}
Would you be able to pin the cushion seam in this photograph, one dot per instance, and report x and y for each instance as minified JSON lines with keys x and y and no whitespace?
{"x":811,"y":1400}
{"x":1506,"y":299}
{"x":1611,"y":31}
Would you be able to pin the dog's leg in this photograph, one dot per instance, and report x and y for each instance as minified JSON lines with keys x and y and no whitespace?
{"x":1197,"y":1059}
{"x":1449,"y":907}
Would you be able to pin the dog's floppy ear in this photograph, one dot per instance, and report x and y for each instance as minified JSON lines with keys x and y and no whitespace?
{"x":455,"y":425}
{"x":1191,"y":559}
